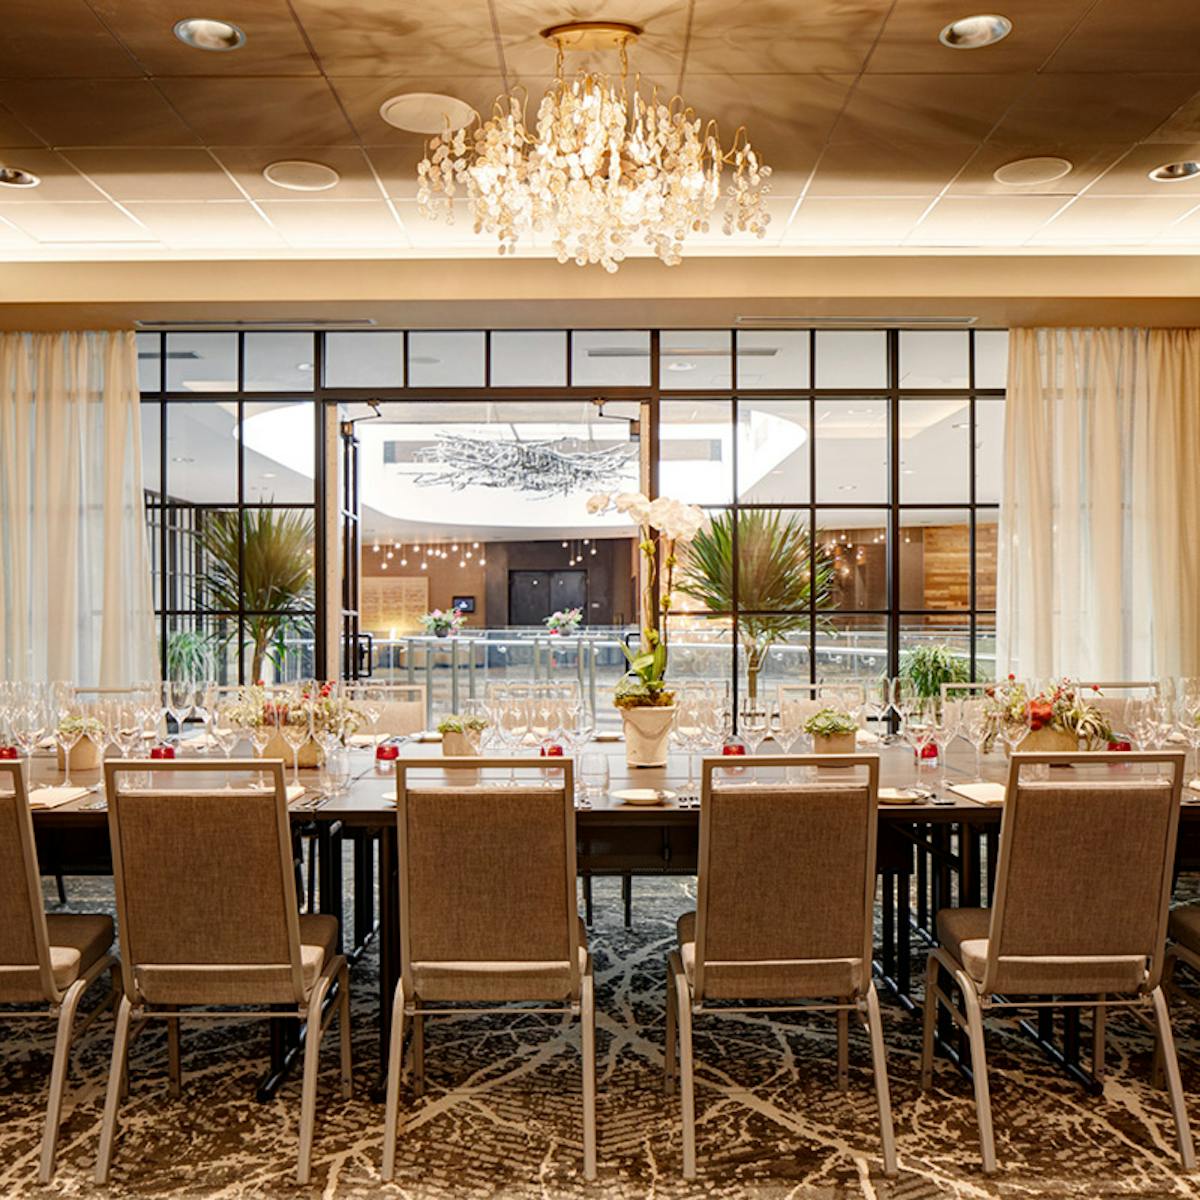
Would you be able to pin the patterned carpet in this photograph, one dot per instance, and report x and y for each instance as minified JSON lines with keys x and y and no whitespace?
{"x":501,"y":1113}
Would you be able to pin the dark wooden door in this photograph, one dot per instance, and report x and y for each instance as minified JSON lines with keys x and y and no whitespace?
{"x":534,"y":595}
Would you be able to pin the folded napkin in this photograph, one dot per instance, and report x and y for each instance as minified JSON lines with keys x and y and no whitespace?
{"x":427,"y":735}
{"x":981,"y":793}
{"x":47,"y":743}
{"x":294,"y":791}
{"x":202,"y":741}
{"x":865,"y":737}
{"x":361,"y":741}
{"x":52,"y":797}
{"x":1194,"y":785}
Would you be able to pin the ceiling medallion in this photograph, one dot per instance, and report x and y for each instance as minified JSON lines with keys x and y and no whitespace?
{"x":603,"y":168}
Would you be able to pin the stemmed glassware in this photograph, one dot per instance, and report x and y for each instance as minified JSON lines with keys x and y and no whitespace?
{"x":688,"y":729}
{"x":1187,"y":707}
{"x":369,"y":699}
{"x":293,"y":711}
{"x":1141,"y":721}
{"x":918,"y":727}
{"x":979,"y":726}
{"x":947,"y":719}
{"x":1014,"y":723}
{"x":223,"y":728}
{"x":30,"y":718}
{"x":179,"y":698}
{"x":69,"y":725}
{"x":755,"y":724}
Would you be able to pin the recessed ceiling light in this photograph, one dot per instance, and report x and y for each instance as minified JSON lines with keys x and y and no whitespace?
{"x":299,"y":175}
{"x":14,"y":177}
{"x":304,"y":366}
{"x":680,"y":365}
{"x":426,"y":112}
{"x":268,"y":474}
{"x":179,"y":458}
{"x":203,"y":33}
{"x":973,"y":33}
{"x":1040,"y":169}
{"x":1175,"y":172}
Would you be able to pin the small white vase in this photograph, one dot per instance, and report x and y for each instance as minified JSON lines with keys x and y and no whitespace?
{"x":459,"y":745}
{"x":647,"y":733}
{"x":834,"y":743}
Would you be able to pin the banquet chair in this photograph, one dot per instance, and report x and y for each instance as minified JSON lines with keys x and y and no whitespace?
{"x":206,"y":900}
{"x":1113,"y":707}
{"x":785,"y":900}
{"x":1079,"y":915}
{"x":1183,"y":929}
{"x":488,"y":915}
{"x":47,"y":961}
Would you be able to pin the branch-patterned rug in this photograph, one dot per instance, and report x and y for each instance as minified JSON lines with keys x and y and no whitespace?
{"x":501,"y":1113}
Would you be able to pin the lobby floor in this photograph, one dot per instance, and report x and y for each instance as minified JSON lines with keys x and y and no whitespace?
{"x":501,"y":1113}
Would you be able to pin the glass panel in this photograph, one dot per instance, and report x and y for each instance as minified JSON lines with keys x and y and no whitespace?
{"x":935,"y":558}
{"x":202,"y":559}
{"x":991,"y":358}
{"x":773,"y":565}
{"x":773,"y":360}
{"x":853,"y":545}
{"x":202,"y":647}
{"x":149,"y":355}
{"x":279,"y":463}
{"x":935,"y":451}
{"x":151,"y":415}
{"x":202,"y":451}
{"x":292,"y":655}
{"x":698,"y":359}
{"x":279,"y":362}
{"x":364,"y":359}
{"x":985,"y":647}
{"x":987,"y":525}
{"x":696,"y":451}
{"x":851,"y":649}
{"x":773,"y":451}
{"x":699,"y":647}
{"x":616,"y":358}
{"x":951,"y":632}
{"x":202,"y":362}
{"x":446,"y":359}
{"x":856,"y":359}
{"x":989,"y":450}
{"x":934,"y":358}
{"x":529,"y":359}
{"x":784,"y":660}
{"x":852,"y":450}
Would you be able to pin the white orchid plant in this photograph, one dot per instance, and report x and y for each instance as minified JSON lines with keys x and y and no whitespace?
{"x":664,"y":524}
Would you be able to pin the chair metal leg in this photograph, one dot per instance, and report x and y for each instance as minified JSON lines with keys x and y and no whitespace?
{"x":58,"y":1076}
{"x":882,"y":1093}
{"x":418,"y":1053}
{"x":930,"y":1023}
{"x":843,"y":1050}
{"x":174,"y":1063}
{"x":983,"y":1101}
{"x":395,"y":1061}
{"x":627,"y":899}
{"x":587,"y":1014}
{"x":670,"y":1049}
{"x":308,"y":1094}
{"x":687,"y":1093}
{"x":61,"y":884}
{"x":1187,"y":1151}
{"x":1099,"y":1038}
{"x":344,"y":1031}
{"x":116,"y":1072}
{"x":587,"y":901}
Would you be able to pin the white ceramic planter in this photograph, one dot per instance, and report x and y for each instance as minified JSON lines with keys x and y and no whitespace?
{"x":647,"y":734}
{"x":838,"y":743}
{"x":459,"y":745}
{"x":85,"y":756}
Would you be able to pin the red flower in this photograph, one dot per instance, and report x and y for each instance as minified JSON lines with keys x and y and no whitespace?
{"x":1041,"y":714}
{"x":1011,"y":675}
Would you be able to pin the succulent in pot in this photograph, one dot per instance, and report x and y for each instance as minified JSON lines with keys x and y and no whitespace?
{"x":833,"y":731}
{"x":461,"y":735}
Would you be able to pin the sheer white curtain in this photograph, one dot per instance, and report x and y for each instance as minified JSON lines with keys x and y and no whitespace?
{"x":76,"y":599}
{"x":1099,"y":563}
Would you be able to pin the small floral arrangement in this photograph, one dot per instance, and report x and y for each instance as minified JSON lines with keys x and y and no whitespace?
{"x":442,"y":623}
{"x":1061,"y":708}
{"x":830,"y":722}
{"x":564,"y":621}
{"x":89,"y":727}
{"x":455,"y":723}
{"x":257,"y":706}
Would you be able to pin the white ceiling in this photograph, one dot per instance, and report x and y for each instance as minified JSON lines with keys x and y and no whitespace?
{"x":880,"y":137}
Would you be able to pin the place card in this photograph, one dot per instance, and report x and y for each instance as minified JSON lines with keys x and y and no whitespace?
{"x":52,"y":797}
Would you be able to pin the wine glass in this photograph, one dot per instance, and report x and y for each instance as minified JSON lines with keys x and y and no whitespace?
{"x":687,"y":731}
{"x":947,"y":719}
{"x":223,"y":729}
{"x":294,"y":713}
{"x":979,"y":726}
{"x":179,"y":698}
{"x":1140,"y":721}
{"x":754,"y":725}
{"x":917,"y":728}
{"x":69,"y":725}
{"x":29,"y":720}
{"x":1014,"y":722}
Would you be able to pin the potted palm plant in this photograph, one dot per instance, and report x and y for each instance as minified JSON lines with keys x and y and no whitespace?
{"x":780,"y":578}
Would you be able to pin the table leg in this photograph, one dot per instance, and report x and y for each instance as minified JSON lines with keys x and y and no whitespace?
{"x":389,"y":943}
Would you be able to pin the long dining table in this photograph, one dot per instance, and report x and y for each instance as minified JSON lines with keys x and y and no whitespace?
{"x":933,"y":853}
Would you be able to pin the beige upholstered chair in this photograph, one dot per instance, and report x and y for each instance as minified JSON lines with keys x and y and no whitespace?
{"x":206,"y":899}
{"x":403,"y":709}
{"x":1183,"y":928}
{"x":784,"y":905}
{"x":47,"y":962}
{"x":1079,"y":913}
{"x":488,"y":914}
{"x":1111,"y":698}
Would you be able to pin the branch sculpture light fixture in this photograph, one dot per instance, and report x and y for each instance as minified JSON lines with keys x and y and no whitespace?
{"x":602,"y":168}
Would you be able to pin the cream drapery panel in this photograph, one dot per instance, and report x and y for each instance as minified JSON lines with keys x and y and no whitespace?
{"x":1099,"y":560}
{"x":76,"y":599}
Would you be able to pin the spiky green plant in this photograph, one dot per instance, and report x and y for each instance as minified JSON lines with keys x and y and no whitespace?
{"x":276,"y":573}
{"x":926,"y":668}
{"x":778,"y":579}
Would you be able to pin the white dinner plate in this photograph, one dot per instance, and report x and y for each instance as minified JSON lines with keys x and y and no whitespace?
{"x":891,"y":795}
{"x":643,"y":795}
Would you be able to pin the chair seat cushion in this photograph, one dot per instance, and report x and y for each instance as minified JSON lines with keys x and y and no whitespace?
{"x":318,"y":943}
{"x":77,"y":940}
{"x":963,"y":932}
{"x":1185,"y":926}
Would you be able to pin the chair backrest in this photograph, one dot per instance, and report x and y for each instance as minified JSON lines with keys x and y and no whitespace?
{"x":487,"y":884}
{"x":403,"y":709}
{"x":1101,"y":695}
{"x":786,"y":887}
{"x":206,"y":895}
{"x":1084,"y":874}
{"x":25,"y":972}
{"x":966,"y":690}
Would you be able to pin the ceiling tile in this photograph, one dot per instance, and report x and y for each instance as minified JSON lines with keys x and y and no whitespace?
{"x":854,"y":222}
{"x":918,"y":110}
{"x":274,"y":43}
{"x":383,"y":38}
{"x":1186,"y":231}
{"x":14,"y":133}
{"x":76,"y":223}
{"x":155,"y":174}
{"x":252,"y":112}
{"x":60,"y":181}
{"x":887,"y":169}
{"x":59,"y":41}
{"x":1131,"y":176}
{"x":985,"y":220}
{"x":95,"y":112}
{"x":1118,"y":35}
{"x":11,"y":238}
{"x":1088,"y":161}
{"x":397,"y":168}
{"x":426,"y":230}
{"x":362,"y":99}
{"x":780,"y":37}
{"x":1093,"y":108}
{"x":246,"y":165}
{"x":909,"y":42}
{"x":227,"y":224}
{"x":318,"y":223}
{"x":1182,"y":125}
{"x":1112,"y":221}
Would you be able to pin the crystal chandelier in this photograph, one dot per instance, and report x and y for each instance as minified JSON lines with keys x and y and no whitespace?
{"x":603,"y":169}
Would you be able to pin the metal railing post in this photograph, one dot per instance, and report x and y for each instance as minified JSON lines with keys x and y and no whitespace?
{"x":428,"y":685}
{"x":454,"y":674}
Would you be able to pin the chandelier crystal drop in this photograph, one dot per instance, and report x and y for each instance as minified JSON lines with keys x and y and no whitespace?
{"x":603,"y":170}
